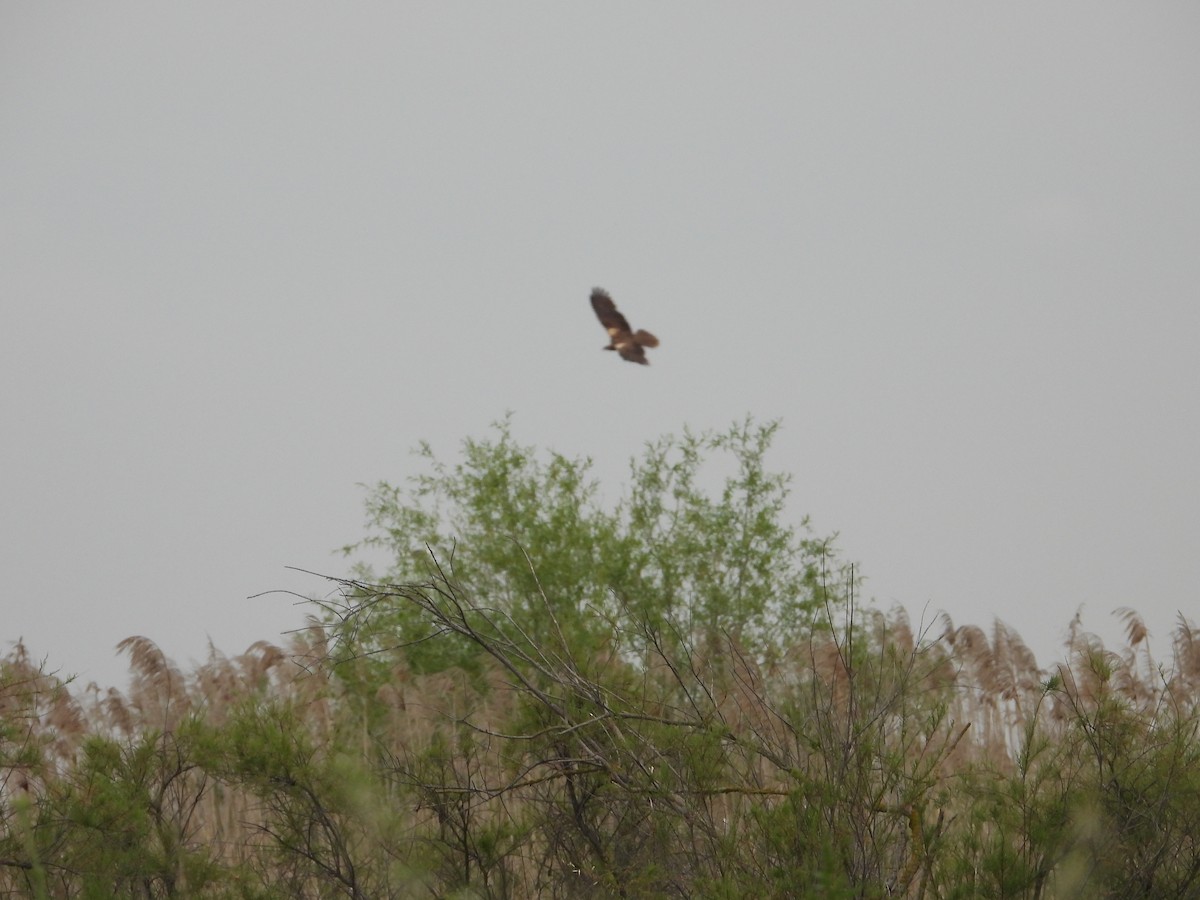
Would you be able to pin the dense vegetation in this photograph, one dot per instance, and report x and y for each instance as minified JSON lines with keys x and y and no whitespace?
{"x":679,"y":695}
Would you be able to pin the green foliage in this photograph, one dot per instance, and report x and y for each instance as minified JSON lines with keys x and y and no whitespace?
{"x":122,"y":824}
{"x":532,"y":537}
{"x":268,"y":751}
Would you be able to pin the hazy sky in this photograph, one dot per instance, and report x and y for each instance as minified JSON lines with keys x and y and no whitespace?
{"x":252,"y":253}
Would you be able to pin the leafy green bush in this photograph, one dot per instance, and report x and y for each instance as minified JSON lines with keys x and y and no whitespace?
{"x":530,"y":536}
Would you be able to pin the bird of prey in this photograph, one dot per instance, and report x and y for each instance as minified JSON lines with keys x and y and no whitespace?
{"x":629,"y":343}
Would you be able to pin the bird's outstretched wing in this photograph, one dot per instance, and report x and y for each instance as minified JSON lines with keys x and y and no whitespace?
{"x":606,"y":311}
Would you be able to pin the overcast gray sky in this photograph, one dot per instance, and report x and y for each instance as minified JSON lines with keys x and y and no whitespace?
{"x":252,"y":253}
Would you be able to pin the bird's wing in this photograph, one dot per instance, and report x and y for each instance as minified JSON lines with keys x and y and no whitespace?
{"x":606,"y":311}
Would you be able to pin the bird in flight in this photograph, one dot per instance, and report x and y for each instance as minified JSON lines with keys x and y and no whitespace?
{"x":629,"y":343}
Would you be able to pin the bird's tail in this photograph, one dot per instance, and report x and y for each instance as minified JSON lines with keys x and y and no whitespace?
{"x":646,"y":339}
